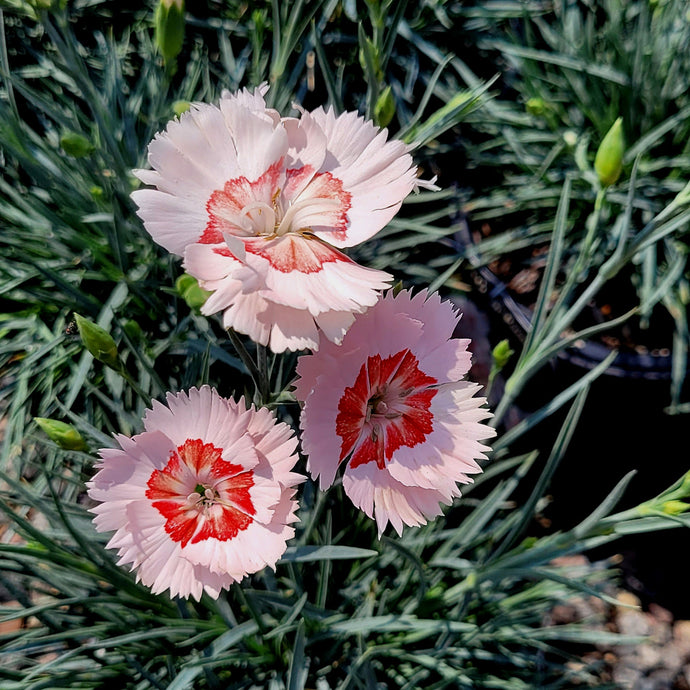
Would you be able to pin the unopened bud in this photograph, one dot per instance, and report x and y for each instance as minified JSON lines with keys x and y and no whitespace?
{"x":536,"y":106}
{"x":169,"y":28}
{"x":76,"y":145}
{"x":65,"y":435}
{"x":191,"y":292}
{"x":502,"y":354}
{"x":570,"y":138}
{"x":98,"y":342}
{"x":674,"y":507}
{"x":180,"y":107}
{"x":384,"y":108}
{"x":133,"y":330}
{"x":608,"y":162}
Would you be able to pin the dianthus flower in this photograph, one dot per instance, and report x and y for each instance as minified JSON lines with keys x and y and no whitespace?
{"x":391,"y":405}
{"x":259,"y":205}
{"x":201,"y":498}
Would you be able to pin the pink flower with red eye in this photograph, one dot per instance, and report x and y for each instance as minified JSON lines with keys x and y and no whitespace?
{"x":201,"y":498}
{"x":259,"y":206}
{"x":391,"y":404}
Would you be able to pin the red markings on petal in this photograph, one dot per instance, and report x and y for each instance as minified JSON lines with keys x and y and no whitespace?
{"x":314,"y":200}
{"x":194,"y":468}
{"x":237,"y":193}
{"x":223,"y":524}
{"x":294,"y":253}
{"x":296,"y":179}
{"x":371,"y":450}
{"x":409,"y":375}
{"x":198,"y":455}
{"x":325,"y":186}
{"x":223,"y":251}
{"x":352,"y":410}
{"x":387,"y":407}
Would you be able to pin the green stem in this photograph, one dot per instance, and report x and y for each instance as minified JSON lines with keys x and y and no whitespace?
{"x":256,"y":617}
{"x":259,"y":378}
{"x":134,"y":385}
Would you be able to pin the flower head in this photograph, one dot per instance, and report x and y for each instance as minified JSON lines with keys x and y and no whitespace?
{"x":259,"y":205}
{"x":201,"y":498}
{"x":391,"y":405}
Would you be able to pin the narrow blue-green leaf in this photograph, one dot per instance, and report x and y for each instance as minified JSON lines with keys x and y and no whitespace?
{"x":553,"y":265}
{"x":299,"y":664}
{"x":302,"y":554}
{"x":381,"y":624}
{"x":185,"y":679}
{"x":604,"y":508}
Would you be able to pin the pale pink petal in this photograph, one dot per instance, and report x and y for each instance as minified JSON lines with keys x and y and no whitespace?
{"x":174,"y":222}
{"x":382,"y":497}
{"x":252,"y":100}
{"x":310,"y":275}
{"x":377,"y":172}
{"x":201,"y":413}
{"x":334,"y":324}
{"x":259,"y":141}
{"x":209,"y":263}
{"x":306,"y":153}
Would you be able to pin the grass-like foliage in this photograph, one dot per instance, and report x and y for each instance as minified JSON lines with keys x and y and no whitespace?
{"x":462,"y":602}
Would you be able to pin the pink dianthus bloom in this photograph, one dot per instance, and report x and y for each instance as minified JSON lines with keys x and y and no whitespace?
{"x":201,"y":498}
{"x":391,"y":404}
{"x":258,"y":206}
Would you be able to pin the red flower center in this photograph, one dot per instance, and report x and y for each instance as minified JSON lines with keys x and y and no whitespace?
{"x":387,"y":407}
{"x":200,"y":495}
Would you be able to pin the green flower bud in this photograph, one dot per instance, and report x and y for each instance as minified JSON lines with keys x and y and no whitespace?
{"x":674,"y":507}
{"x":384,"y":108}
{"x":502,"y":354}
{"x":180,"y":107}
{"x":133,"y":330}
{"x":608,"y":162}
{"x":98,"y":342}
{"x":570,"y":138}
{"x":41,"y":5}
{"x":536,"y":106}
{"x":96,"y":192}
{"x":65,"y":435}
{"x":76,"y":145}
{"x":191,"y":292}
{"x":169,"y":28}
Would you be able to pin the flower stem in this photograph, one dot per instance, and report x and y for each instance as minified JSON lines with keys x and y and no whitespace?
{"x":259,"y":377}
{"x":262,"y":367}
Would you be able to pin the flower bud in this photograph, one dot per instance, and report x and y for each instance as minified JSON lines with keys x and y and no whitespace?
{"x":76,"y":145}
{"x":384,"y":108}
{"x":536,"y":106}
{"x":191,"y":292}
{"x":180,"y":107}
{"x":502,"y":354}
{"x":608,"y":163}
{"x":169,"y":28}
{"x":674,"y":507}
{"x":65,"y":435}
{"x":98,"y":342}
{"x":570,"y":138}
{"x":133,"y":330}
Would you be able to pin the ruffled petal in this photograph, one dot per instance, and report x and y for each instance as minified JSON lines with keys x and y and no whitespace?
{"x":378,"y":174}
{"x":384,"y":498}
